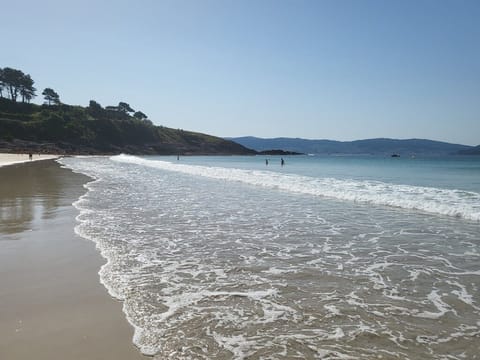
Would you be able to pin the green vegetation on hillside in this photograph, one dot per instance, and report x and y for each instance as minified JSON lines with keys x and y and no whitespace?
{"x":56,"y":127}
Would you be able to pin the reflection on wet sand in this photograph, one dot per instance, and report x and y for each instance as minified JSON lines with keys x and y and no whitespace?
{"x":33,"y":191}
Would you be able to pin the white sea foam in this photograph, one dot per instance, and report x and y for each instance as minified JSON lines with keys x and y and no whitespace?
{"x":237,"y":345}
{"x":456,"y":203}
{"x":204,"y":275}
{"x":332,"y":309}
{"x":463,"y":294}
{"x":441,"y":306}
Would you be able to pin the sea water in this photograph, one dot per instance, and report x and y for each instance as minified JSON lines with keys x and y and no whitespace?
{"x":325,"y":257}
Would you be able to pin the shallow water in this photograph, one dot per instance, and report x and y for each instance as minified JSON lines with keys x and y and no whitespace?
{"x":225,"y":258}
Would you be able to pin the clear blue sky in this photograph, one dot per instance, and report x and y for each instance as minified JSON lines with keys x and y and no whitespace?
{"x":335,"y":69}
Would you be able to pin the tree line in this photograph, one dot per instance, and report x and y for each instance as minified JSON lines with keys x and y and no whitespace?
{"x":122,"y":108}
{"x":16,"y":83}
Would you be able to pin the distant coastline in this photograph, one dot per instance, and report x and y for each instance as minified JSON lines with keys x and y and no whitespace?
{"x":385,"y":147}
{"x":472,"y":151}
{"x":57,"y":128}
{"x":279,"y":152}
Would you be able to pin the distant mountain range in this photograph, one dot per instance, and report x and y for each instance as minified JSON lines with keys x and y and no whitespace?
{"x":368,"y":147}
{"x":472,"y":151}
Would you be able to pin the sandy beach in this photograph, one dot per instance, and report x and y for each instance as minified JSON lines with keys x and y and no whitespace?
{"x":11,"y":159}
{"x":52,"y":305}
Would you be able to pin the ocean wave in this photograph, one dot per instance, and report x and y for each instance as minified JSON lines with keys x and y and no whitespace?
{"x":204,"y":276}
{"x":455,"y":203}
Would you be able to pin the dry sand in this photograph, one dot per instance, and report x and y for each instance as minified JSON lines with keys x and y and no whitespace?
{"x":10,"y":159}
{"x":52,"y":305}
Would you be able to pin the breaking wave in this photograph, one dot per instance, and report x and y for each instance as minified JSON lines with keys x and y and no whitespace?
{"x":455,"y":203}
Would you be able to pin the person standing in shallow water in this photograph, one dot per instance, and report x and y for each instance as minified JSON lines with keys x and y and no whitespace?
{"x":266,"y":161}
{"x":282,"y":162}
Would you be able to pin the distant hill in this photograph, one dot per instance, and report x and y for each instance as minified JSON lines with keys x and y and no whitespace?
{"x":472,"y":151}
{"x":371,"y":146}
{"x":68,"y":129}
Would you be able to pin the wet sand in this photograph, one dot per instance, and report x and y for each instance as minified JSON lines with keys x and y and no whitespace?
{"x":52,"y":305}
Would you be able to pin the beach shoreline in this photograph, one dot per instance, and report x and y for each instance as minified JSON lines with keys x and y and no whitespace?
{"x":12,"y":159}
{"x":52,"y":305}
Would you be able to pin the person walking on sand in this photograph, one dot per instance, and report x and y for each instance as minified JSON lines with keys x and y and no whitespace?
{"x":30,"y":156}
